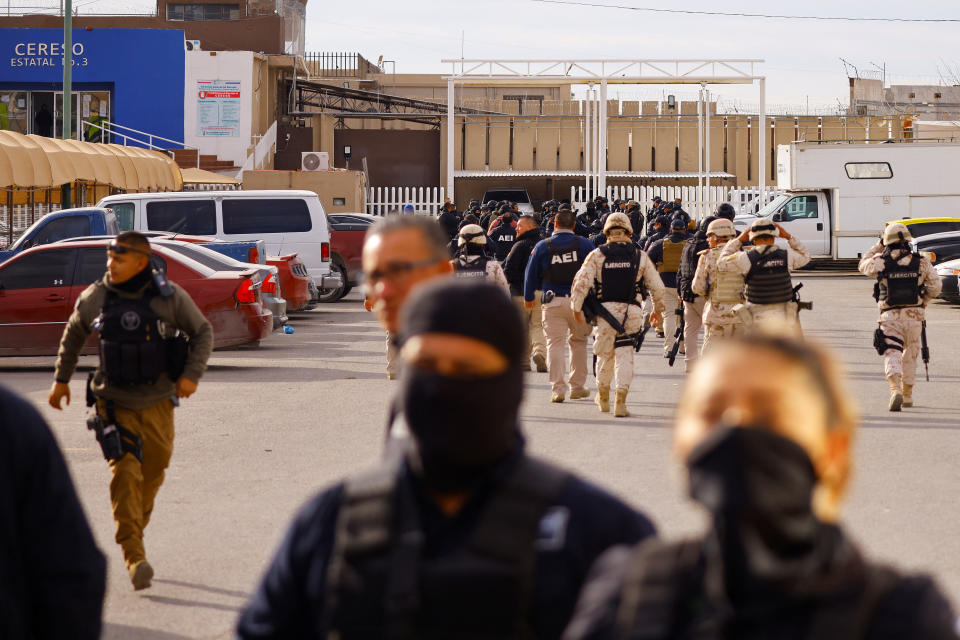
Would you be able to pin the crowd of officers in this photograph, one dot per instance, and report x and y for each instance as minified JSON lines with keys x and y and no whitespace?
{"x":460,"y":532}
{"x":655,"y":268}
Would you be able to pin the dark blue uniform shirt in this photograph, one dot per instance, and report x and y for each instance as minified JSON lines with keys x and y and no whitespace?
{"x":534,"y":278}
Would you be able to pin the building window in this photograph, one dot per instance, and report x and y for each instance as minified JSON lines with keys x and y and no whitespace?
{"x":868,"y":170}
{"x":201,"y":12}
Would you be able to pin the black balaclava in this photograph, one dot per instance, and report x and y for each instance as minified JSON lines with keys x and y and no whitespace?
{"x":758,"y":487}
{"x":463,"y":426}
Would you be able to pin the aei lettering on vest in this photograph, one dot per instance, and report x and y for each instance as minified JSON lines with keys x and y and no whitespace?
{"x":561,"y":258}
{"x":46,"y":54}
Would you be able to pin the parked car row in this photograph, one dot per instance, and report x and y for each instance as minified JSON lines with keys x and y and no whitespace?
{"x":39,"y":287}
{"x":247,"y":258}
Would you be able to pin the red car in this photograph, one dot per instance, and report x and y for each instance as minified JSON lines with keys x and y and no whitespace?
{"x":347,"y":232}
{"x":294,"y":280}
{"x":39,"y":287}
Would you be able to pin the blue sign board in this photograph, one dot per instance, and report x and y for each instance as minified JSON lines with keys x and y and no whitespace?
{"x":142,"y":68}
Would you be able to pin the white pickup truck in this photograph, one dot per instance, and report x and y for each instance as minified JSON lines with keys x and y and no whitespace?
{"x":839,"y":196}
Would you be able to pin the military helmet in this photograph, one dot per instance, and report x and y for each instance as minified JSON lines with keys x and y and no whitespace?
{"x":618,"y":220}
{"x":472,"y":233}
{"x":895,"y":233}
{"x":722,"y":228}
{"x":763,"y":227}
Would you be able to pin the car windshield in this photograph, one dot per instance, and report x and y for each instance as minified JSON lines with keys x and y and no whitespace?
{"x":513,"y":195}
{"x":773,"y":206}
{"x":16,"y":246}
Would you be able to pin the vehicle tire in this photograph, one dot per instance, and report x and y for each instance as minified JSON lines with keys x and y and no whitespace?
{"x":332,"y":295}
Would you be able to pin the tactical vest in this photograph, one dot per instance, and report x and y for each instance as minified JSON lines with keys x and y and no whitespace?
{"x":475,"y":269}
{"x":618,"y":275}
{"x":505,"y":234}
{"x":382,"y":583}
{"x":132,"y":348}
{"x":672,"y":255}
{"x":768,"y":281}
{"x":564,"y":262}
{"x":664,"y":596}
{"x":899,"y":285}
{"x":728,"y":287}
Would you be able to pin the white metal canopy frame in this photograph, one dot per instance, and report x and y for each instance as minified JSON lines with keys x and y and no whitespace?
{"x":604,"y":73}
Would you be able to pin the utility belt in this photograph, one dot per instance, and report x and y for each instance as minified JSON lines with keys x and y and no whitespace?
{"x":115,"y":440}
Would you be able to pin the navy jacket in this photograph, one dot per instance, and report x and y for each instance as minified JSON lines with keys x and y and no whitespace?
{"x":290,"y":600}
{"x":540,"y":261}
{"x":515,"y":266}
{"x":52,"y":575}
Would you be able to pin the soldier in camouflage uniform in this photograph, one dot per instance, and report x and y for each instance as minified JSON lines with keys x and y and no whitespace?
{"x":722,"y":289}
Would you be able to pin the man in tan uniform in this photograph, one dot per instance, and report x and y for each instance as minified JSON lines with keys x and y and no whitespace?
{"x":621,"y":273}
{"x":723,"y":290}
{"x":906,"y":282}
{"x":135,"y":386}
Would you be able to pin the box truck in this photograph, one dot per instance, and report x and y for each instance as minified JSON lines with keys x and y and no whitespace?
{"x":838,"y":196}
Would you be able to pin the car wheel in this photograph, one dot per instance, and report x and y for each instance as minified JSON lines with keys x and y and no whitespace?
{"x":332,"y":295}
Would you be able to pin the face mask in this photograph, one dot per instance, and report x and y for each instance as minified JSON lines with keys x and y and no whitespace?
{"x":758,"y":486}
{"x":462,"y":426}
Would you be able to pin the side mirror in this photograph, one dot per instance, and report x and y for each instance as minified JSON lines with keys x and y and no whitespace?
{"x":777,"y":217}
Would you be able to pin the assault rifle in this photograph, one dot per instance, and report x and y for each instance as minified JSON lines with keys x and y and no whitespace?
{"x":925,"y":349}
{"x":678,"y":336}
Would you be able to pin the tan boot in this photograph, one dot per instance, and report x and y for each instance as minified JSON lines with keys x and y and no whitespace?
{"x":579,"y":394}
{"x":603,"y":399}
{"x":620,"y":404}
{"x":141,"y":573}
{"x":896,"y":393}
{"x":908,"y":395}
{"x":556,"y":397}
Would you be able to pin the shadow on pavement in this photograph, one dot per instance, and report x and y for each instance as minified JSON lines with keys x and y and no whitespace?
{"x":126,"y":632}
{"x":203,"y":587}
{"x":192,"y":603}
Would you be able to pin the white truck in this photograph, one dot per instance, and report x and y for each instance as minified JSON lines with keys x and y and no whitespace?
{"x":838,"y":196}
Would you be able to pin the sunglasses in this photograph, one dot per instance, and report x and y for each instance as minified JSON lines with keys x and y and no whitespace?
{"x":120,"y":249}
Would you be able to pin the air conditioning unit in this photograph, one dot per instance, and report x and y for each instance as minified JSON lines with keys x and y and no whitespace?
{"x":315,"y":161}
{"x":191,"y":45}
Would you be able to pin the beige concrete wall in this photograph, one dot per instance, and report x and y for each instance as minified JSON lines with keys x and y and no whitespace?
{"x":808,"y":127}
{"x":571,"y":139}
{"x":548,"y":136}
{"x":665,"y":142}
{"x":349,"y":185}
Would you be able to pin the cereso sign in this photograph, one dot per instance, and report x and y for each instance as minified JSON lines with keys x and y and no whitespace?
{"x":45,"y":54}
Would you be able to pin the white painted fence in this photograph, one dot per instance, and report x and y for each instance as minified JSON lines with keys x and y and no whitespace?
{"x":425,"y":200}
{"x":698,"y":202}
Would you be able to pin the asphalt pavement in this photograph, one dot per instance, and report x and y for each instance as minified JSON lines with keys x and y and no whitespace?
{"x":269,"y":426}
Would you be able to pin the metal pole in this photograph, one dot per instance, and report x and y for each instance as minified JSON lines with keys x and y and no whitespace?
{"x":450,"y":139}
{"x":587,"y":145}
{"x":596,"y":144}
{"x":706,"y":159}
{"x":762,"y":142}
{"x":700,"y":154}
{"x":67,"y":86}
{"x":602,"y":147}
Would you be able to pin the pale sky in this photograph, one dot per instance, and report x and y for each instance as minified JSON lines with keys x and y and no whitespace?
{"x":802,"y":56}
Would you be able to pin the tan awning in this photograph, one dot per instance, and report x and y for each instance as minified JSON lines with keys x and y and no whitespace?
{"x":192,"y":175}
{"x":38,"y":162}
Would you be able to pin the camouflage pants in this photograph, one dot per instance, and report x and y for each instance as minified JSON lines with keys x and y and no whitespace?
{"x":905,"y":325}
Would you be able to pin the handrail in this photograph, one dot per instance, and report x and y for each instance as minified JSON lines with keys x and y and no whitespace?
{"x":267,"y":141}
{"x":109,"y":127}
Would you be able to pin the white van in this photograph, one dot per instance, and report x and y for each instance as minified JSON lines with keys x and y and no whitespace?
{"x":287,"y":221}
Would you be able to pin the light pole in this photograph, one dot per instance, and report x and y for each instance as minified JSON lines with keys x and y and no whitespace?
{"x":67,"y":86}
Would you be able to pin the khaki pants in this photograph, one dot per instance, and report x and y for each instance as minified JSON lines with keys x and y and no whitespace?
{"x":615,"y":364}
{"x":562,"y":329}
{"x":393,"y":361}
{"x":533,"y":320}
{"x":134,"y":486}
{"x":692,"y":321}
{"x":907,"y":325}
{"x":671,"y":302}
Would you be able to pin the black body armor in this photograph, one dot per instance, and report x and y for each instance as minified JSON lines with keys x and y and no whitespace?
{"x":132,"y":348}
{"x":564,"y":263}
{"x":768,"y":281}
{"x":618,"y":276}
{"x":899,"y":285}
